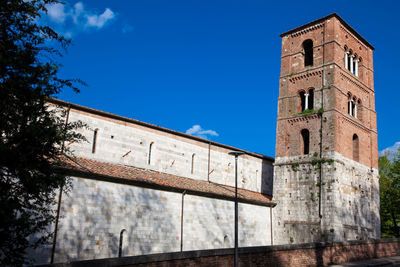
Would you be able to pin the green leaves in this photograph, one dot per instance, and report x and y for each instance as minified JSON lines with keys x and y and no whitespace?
{"x":32,"y":133}
{"x":389,"y":182}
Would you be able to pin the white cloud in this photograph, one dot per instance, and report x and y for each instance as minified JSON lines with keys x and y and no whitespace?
{"x":196,"y":130}
{"x":71,"y":19}
{"x":77,"y":10}
{"x":390,"y":150}
{"x":98,"y":21}
{"x":56,"y":12}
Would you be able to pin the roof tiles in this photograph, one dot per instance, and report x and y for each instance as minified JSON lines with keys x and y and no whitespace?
{"x":94,"y":169}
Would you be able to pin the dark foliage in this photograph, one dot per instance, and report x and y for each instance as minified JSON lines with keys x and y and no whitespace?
{"x":31,"y":133}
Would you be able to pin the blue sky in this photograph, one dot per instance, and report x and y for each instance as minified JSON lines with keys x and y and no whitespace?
{"x":210,"y":67}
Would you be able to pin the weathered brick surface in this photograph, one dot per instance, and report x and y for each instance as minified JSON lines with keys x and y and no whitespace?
{"x":312,"y":254}
{"x":328,"y":77}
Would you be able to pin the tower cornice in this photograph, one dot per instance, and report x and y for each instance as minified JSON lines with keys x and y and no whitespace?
{"x":316,"y":23}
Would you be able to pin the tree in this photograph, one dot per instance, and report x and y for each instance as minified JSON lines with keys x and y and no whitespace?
{"x":389,"y":171}
{"x":32,"y":133}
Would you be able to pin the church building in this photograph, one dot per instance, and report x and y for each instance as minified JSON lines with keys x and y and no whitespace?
{"x":140,"y":189}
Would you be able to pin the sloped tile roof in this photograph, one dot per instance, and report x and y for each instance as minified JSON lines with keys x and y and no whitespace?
{"x":89,"y":168}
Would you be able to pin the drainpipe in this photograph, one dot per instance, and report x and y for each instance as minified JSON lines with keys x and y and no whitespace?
{"x":183,"y":201}
{"x":66,"y":123}
{"x":53,"y":249}
{"x":270,"y":221}
{"x":208,"y":170}
{"x":321,"y":120}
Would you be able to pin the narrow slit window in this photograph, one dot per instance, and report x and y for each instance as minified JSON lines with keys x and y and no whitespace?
{"x":94,"y":140}
{"x":192,"y":167}
{"x":311,"y":99}
{"x":356,"y":148}
{"x":150,"y":148}
{"x":305,"y":134}
{"x":308,"y":53}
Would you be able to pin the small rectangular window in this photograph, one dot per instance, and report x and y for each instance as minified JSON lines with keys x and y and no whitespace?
{"x":149,"y":158}
{"x":192,"y":168}
{"x":94,"y":141}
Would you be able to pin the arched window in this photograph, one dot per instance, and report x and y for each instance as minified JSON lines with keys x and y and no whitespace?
{"x":349,"y":105}
{"x":94,"y":140}
{"x":192,"y":168}
{"x":308,"y":53}
{"x":355,"y":64}
{"x":356,"y":147}
{"x":305,"y":134}
{"x":346,"y":57}
{"x":354,"y":108}
{"x":311,"y":99}
{"x":350,"y":60}
{"x":149,"y":158}
{"x":226,"y":241}
{"x":303,"y":100}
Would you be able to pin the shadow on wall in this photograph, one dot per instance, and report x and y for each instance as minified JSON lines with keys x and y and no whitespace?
{"x":358,"y":218}
{"x":95,"y":212}
{"x":267,"y":177}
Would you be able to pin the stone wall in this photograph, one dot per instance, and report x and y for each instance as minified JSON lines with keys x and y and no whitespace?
{"x":94,"y":212}
{"x":128,"y":143}
{"x":349,"y":202}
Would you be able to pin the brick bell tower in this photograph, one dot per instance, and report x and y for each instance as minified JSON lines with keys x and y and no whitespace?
{"x":325,"y":175}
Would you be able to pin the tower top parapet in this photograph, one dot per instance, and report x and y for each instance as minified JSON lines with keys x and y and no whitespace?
{"x":318,"y":22}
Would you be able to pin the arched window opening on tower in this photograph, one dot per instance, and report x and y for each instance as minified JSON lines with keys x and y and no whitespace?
{"x":305,"y":134}
{"x":150,"y":148}
{"x":307,"y":100}
{"x":349,"y":105}
{"x":356,"y":152}
{"x":192,"y":168}
{"x":303,"y":100}
{"x":308,"y":53}
{"x":311,"y":99}
{"x":351,"y":61}
{"x":94,"y":140}
{"x":354,"y":106}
